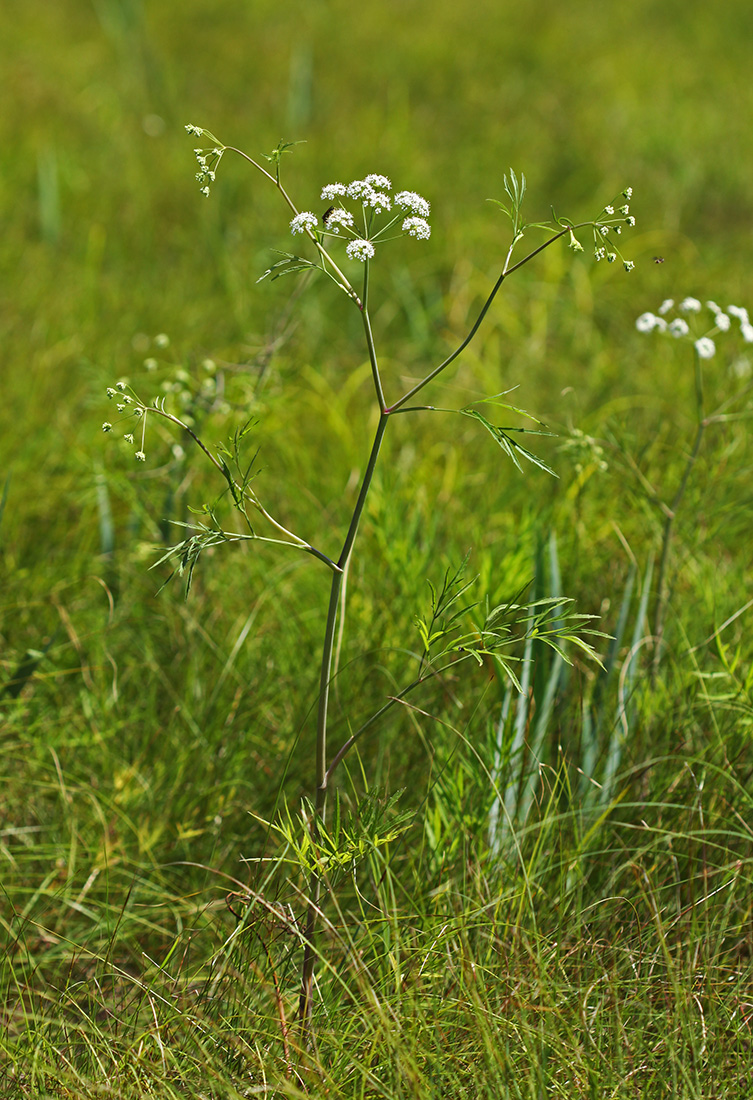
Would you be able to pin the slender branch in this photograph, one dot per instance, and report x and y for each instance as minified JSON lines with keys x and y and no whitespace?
{"x":370,"y":338}
{"x":344,"y":281}
{"x":238,"y":494}
{"x":477,"y":323}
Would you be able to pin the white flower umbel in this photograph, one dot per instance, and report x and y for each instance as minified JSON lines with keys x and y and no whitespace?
{"x":333,"y":191}
{"x":369,"y":226}
{"x":740,"y":313}
{"x":417,"y":227}
{"x":360,"y":249}
{"x":646,"y":322}
{"x":303,"y":221}
{"x":378,"y":201}
{"x":703,"y":342}
{"x":409,"y":200}
{"x":381,"y":182}
{"x":358,"y":189}
{"x":705,"y":347}
{"x":690,"y":305}
{"x":337,"y":219}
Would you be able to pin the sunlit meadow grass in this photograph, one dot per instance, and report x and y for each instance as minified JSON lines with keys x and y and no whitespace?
{"x":594,"y":949}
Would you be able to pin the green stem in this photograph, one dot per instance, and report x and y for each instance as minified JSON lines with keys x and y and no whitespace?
{"x":343,"y":280}
{"x":322,"y":775}
{"x":475,"y":327}
{"x":670,"y":515}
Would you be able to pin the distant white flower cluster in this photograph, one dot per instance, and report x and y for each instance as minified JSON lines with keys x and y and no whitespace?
{"x":372,"y":193}
{"x":721,"y":321}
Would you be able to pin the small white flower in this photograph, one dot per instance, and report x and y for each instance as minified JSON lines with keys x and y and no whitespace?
{"x":600,"y":253}
{"x":360,"y":250}
{"x":140,"y":456}
{"x":111,"y":392}
{"x":337,"y":218}
{"x":666,"y":306}
{"x":575,"y":243}
{"x":747,"y":332}
{"x":690,"y":305}
{"x":378,"y":200}
{"x":194,"y":129}
{"x":625,"y":209}
{"x":611,"y":257}
{"x":358,"y":189}
{"x":604,"y":230}
{"x":120,"y":408}
{"x":120,"y":386}
{"x":409,"y":200}
{"x":678,"y":327}
{"x":705,"y":348}
{"x":628,"y":192}
{"x":661,"y":324}
{"x":740,"y":312}
{"x":713,"y":307}
{"x":628,"y":265}
{"x":630,"y":221}
{"x":204,"y":191}
{"x":302,"y":221}
{"x":379,"y":181}
{"x":417,"y":227}
{"x":128,"y":437}
{"x":722,"y":322}
{"x":609,"y":210}
{"x":646,"y":322}
{"x":138,"y":411}
{"x":333,"y":191}
{"x":161,"y":340}
{"x":107,"y":426}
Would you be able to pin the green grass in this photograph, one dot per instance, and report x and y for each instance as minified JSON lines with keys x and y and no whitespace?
{"x":597,"y":941}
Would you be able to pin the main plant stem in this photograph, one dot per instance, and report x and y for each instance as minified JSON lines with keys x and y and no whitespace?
{"x":315,"y":882}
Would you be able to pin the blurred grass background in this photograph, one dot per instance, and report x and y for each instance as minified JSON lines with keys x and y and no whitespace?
{"x":138,"y":729}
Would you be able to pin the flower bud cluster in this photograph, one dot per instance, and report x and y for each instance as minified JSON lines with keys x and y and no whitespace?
{"x":363,"y":226}
{"x":678,"y":320}
{"x":609,"y":224}
{"x":207,"y":159}
{"x":194,"y":397}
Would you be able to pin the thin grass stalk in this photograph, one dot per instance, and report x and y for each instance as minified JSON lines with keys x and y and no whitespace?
{"x":670,"y":516}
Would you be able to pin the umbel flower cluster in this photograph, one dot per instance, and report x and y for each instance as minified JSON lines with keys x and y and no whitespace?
{"x":193,"y":395}
{"x":687,"y":320}
{"x":610,"y":223}
{"x":366,"y":212}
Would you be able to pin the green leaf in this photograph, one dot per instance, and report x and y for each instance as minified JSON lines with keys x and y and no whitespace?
{"x":282,"y":147}
{"x":287,"y":266}
{"x":509,"y":445}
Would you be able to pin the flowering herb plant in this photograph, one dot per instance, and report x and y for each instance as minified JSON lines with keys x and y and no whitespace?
{"x":363,"y":216}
